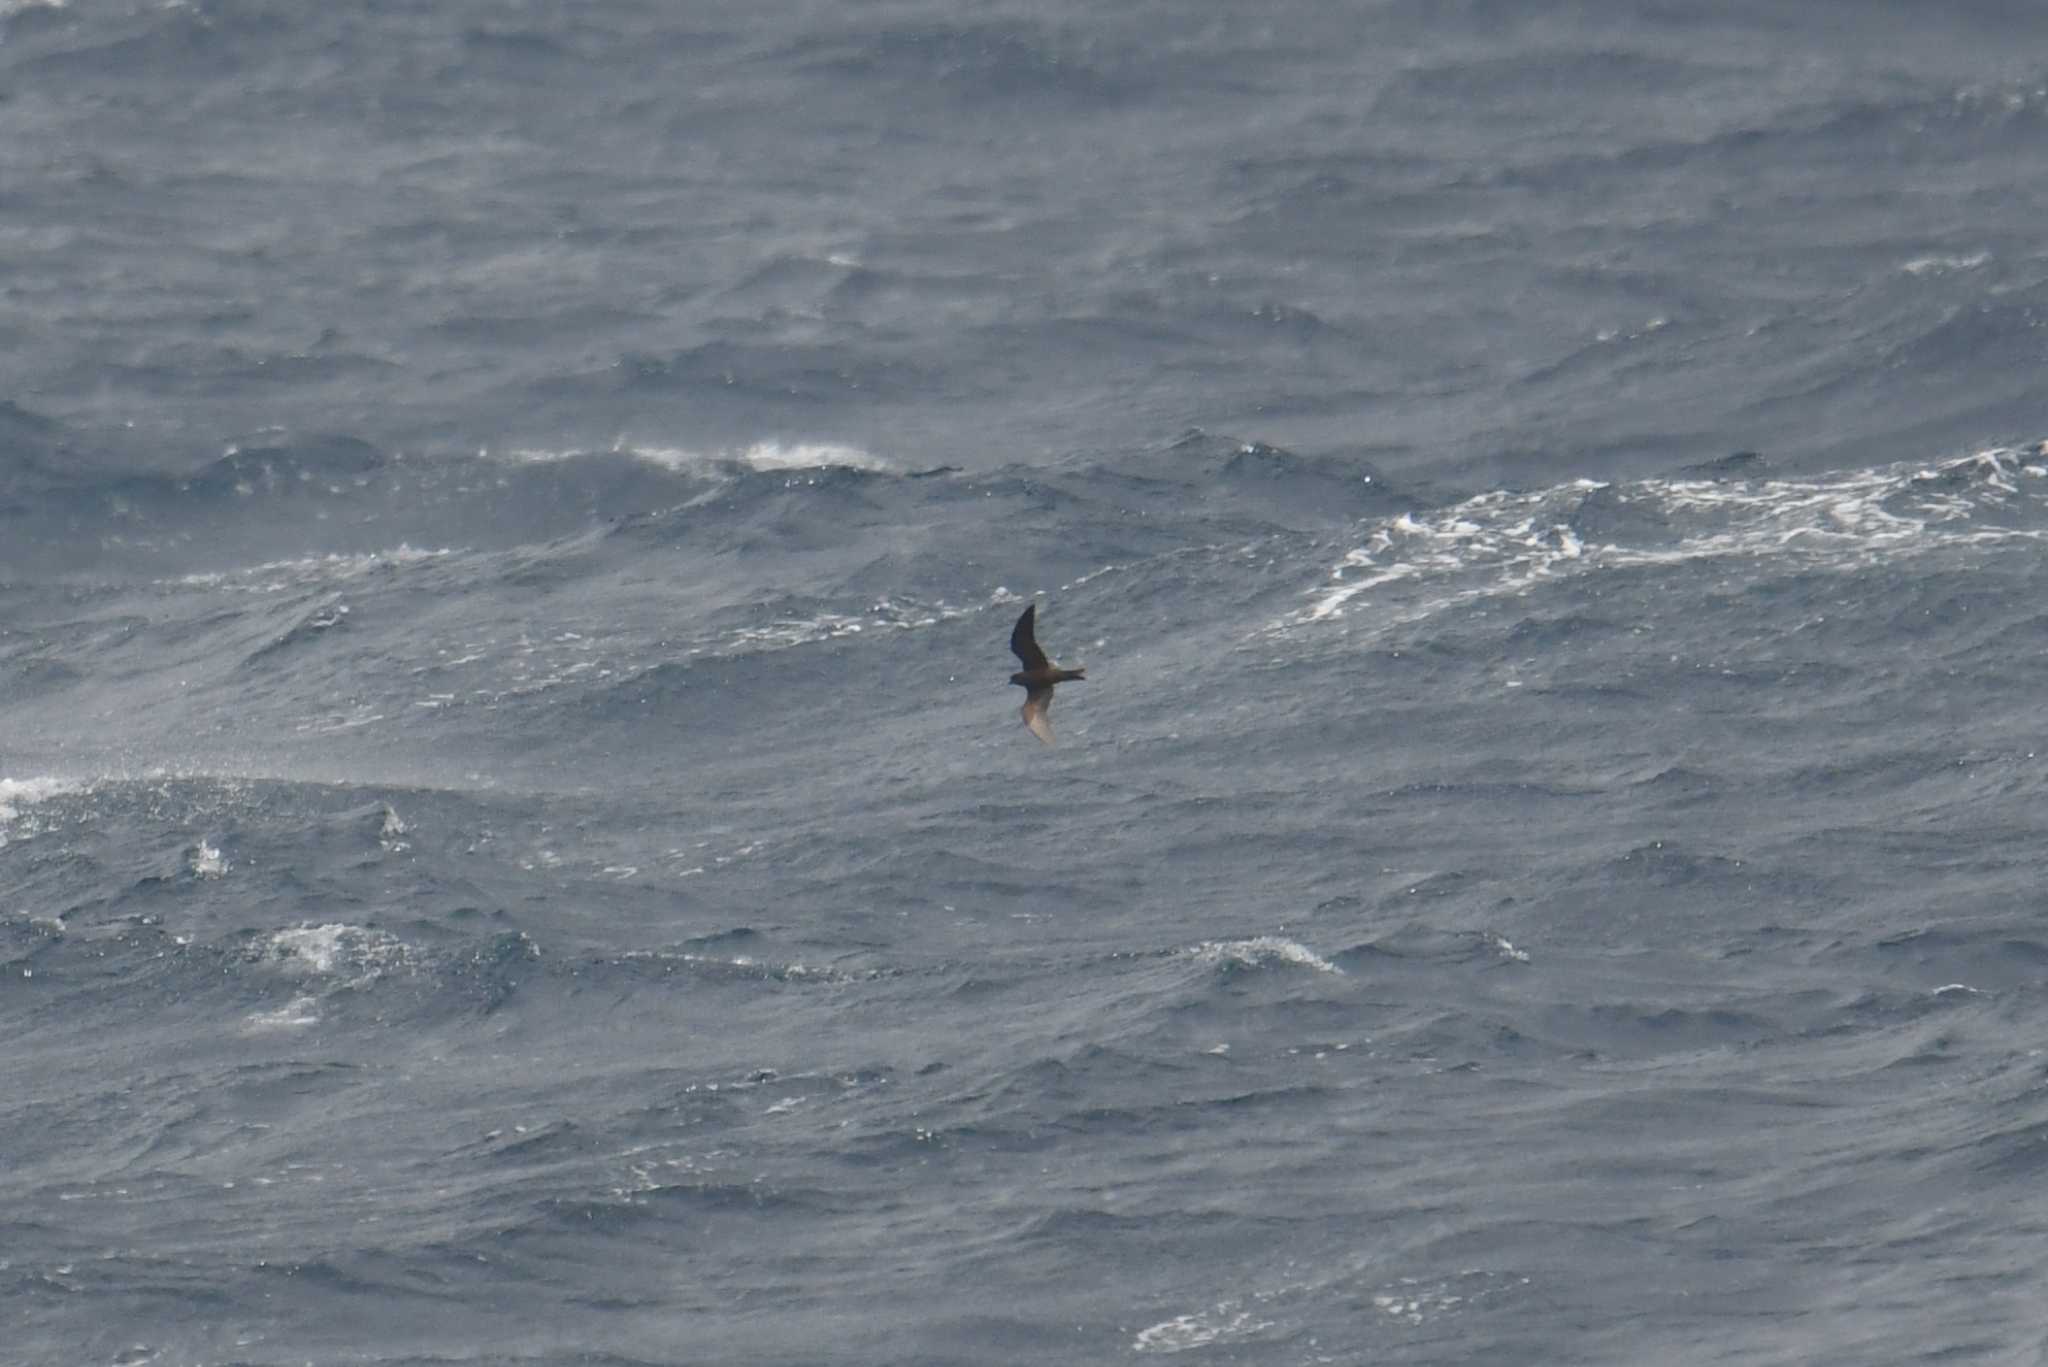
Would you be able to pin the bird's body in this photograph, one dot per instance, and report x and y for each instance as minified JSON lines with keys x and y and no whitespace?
{"x":1037,"y":676}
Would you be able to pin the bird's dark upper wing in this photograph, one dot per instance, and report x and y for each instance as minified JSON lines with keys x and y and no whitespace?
{"x":1025,"y":643}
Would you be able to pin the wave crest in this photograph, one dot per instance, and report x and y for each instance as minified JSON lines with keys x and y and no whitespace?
{"x":1502,"y":542}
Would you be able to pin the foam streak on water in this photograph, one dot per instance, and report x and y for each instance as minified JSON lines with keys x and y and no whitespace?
{"x":1501,"y":543}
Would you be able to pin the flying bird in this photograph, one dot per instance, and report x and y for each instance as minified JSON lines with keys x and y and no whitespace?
{"x":1037,"y":676}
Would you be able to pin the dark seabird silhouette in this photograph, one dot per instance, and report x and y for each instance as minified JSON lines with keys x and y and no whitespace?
{"x":1037,"y":676}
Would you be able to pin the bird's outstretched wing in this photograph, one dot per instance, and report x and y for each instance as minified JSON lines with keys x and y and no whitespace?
{"x":1037,"y":711}
{"x":1024,"y":641}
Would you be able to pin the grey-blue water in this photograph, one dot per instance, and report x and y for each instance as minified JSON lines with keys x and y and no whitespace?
{"x":515,"y":846}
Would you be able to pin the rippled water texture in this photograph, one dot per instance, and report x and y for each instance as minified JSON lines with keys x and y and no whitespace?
{"x":515,"y":845}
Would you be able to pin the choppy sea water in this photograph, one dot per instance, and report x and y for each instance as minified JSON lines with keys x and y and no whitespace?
{"x":514,"y":842}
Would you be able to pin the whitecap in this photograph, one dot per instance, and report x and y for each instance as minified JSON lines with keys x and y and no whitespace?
{"x":774,"y":455}
{"x":760,"y":455}
{"x":358,"y":955}
{"x":277,"y":576}
{"x":1219,"y":1324}
{"x":19,"y":794}
{"x":1416,"y":1302}
{"x":295,"y":1014}
{"x":745,"y":966}
{"x":1505,"y":947}
{"x":16,"y":793}
{"x":1502,"y":543}
{"x":205,"y":860}
{"x":1262,"y":949}
{"x":1942,"y":265}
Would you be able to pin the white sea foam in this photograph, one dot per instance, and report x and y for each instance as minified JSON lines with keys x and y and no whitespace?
{"x":1504,"y":947}
{"x":295,"y":1014}
{"x":747,"y":966}
{"x":205,"y":860}
{"x":887,"y":614}
{"x":355,"y":955}
{"x":761,"y":455}
{"x":1262,"y":949}
{"x":1414,"y":1301}
{"x":361,"y":715}
{"x":1410,"y":1301}
{"x":1219,"y":1324}
{"x":277,"y":576}
{"x":391,"y":833}
{"x":773,"y":455}
{"x":17,"y":795}
{"x":1941,"y":265}
{"x":310,"y":949}
{"x":1501,"y":543}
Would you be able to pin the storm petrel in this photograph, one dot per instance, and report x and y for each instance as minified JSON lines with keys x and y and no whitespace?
{"x":1037,"y":676}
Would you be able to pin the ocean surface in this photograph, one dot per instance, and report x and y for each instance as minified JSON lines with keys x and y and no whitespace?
{"x":516,"y":846}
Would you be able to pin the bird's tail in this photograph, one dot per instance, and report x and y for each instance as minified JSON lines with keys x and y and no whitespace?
{"x":1066,"y":675}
